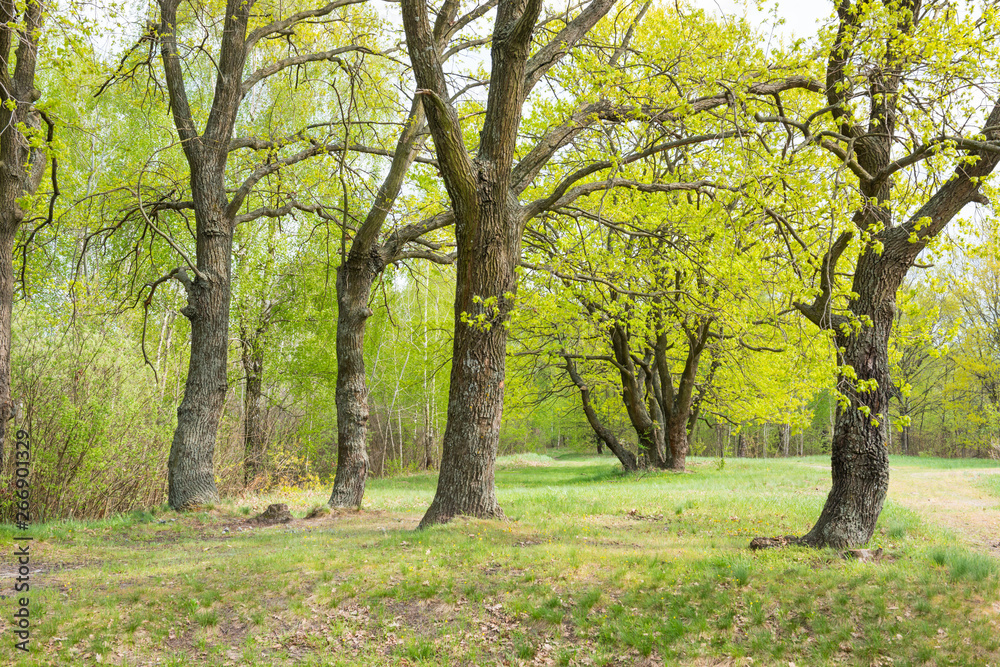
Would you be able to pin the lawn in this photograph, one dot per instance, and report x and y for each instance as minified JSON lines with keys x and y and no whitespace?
{"x":592,"y":567}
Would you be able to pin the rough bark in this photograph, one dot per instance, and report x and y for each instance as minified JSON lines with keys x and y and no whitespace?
{"x":8,"y":232}
{"x":643,"y":416}
{"x":354,"y":283}
{"x":860,"y":462}
{"x":217,"y":211}
{"x":21,"y":167}
{"x":488,"y":226}
{"x":254,"y":426}
{"x":678,"y":405}
{"x":466,"y":483}
{"x":431,"y":80}
{"x":190,"y":468}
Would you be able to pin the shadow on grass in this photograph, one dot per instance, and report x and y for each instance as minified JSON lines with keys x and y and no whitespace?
{"x":526,"y":477}
{"x":543,"y":476}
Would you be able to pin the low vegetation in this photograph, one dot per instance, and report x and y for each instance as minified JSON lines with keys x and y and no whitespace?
{"x":592,"y":567}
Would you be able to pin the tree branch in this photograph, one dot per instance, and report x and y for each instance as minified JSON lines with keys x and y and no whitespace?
{"x":818,"y":312}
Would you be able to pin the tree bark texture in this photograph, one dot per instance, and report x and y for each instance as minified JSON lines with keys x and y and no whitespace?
{"x":488,"y":227}
{"x":21,"y":167}
{"x":466,"y":484}
{"x":254,"y":424}
{"x":354,"y":284}
{"x":8,"y":232}
{"x":496,"y":154}
{"x":860,"y":462}
{"x":190,"y":468}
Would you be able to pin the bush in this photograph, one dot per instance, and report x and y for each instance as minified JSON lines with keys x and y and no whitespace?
{"x":99,"y":435}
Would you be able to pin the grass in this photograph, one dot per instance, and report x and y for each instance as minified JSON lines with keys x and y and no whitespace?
{"x":991,"y":483}
{"x":593,"y":567}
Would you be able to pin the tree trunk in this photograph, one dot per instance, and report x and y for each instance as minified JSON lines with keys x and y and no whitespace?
{"x":8,"y":232}
{"x":485,"y":284}
{"x":904,"y":436}
{"x":190,"y":471}
{"x":677,"y":441}
{"x":741,"y":445}
{"x":488,"y":226}
{"x":604,"y":435}
{"x":21,"y":165}
{"x":786,"y":437}
{"x":860,"y":461}
{"x":428,"y":431}
{"x":254,"y":431}
{"x":354,"y":284}
{"x":190,"y":467}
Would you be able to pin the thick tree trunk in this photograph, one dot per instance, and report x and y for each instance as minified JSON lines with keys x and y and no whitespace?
{"x":741,"y":445}
{"x":254,"y":431}
{"x":191,"y":474}
{"x":786,"y":437}
{"x":680,"y":407}
{"x":486,"y":282}
{"x":21,"y":165}
{"x":860,"y":460}
{"x":354,"y":284}
{"x":677,"y":441}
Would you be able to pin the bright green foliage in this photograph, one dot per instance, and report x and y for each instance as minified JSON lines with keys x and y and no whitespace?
{"x":730,"y":230}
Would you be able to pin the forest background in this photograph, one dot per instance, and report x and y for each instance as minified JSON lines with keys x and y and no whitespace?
{"x":692,"y":243}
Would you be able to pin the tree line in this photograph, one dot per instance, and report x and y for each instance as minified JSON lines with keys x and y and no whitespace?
{"x":644,"y":217}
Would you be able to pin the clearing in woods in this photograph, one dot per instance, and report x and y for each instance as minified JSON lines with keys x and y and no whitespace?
{"x":954,"y":499}
{"x":594,"y":568}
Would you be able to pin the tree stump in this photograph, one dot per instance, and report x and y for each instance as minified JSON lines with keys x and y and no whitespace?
{"x":274,"y":514}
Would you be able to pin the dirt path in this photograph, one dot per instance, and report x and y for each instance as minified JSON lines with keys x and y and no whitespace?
{"x":952,"y":499}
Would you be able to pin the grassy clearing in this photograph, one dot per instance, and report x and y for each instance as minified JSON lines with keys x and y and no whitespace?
{"x":594,"y":567}
{"x":991,"y":484}
{"x":942,"y":464}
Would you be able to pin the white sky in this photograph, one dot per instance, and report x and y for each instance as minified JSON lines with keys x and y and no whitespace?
{"x":801,"y":16}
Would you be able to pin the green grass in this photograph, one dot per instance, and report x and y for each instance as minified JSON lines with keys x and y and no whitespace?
{"x":593,"y":567}
{"x":991,"y":483}
{"x":942,"y":464}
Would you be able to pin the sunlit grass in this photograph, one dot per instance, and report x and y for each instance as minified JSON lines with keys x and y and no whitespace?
{"x":593,"y":567}
{"x":991,"y":483}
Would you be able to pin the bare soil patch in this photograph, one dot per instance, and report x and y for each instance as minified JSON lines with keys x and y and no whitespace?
{"x":950,"y":498}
